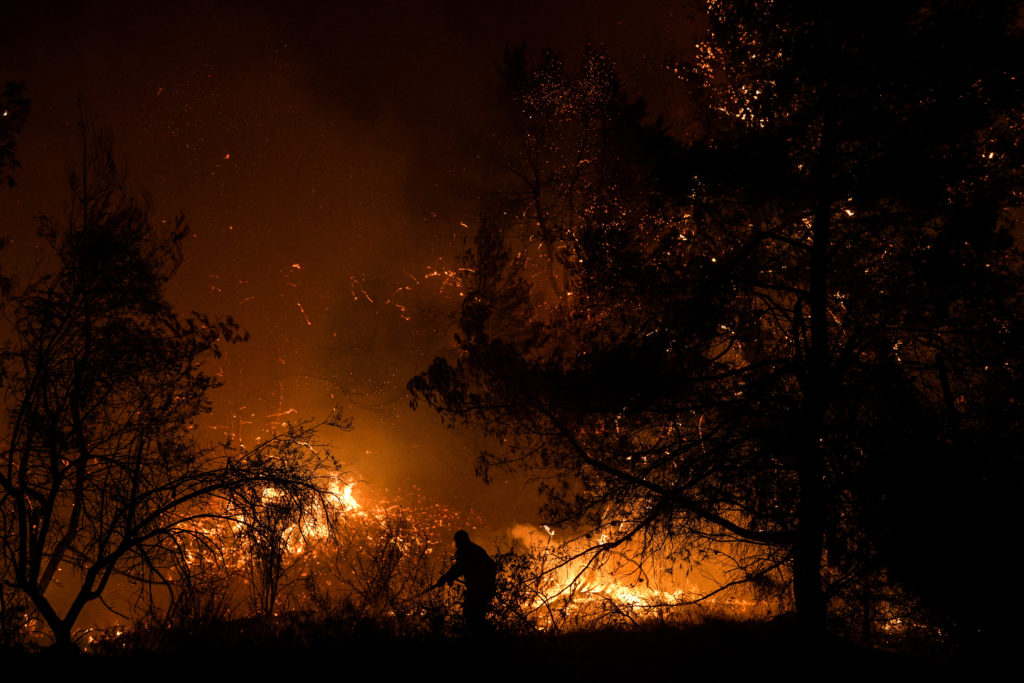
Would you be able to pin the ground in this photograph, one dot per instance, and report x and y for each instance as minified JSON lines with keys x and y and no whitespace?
{"x":719,"y":651}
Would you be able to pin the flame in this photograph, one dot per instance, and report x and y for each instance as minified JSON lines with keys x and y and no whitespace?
{"x":577,"y":585}
{"x":567,"y":586}
{"x":343,"y":494}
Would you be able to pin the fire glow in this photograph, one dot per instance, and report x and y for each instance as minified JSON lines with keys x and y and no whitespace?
{"x":383,"y":554}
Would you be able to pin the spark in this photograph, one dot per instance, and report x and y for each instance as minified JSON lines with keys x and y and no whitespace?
{"x":303,"y":310}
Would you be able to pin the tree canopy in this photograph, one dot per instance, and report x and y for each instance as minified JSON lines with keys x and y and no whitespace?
{"x":14,"y":108}
{"x":102,"y":471}
{"x":793,"y":328}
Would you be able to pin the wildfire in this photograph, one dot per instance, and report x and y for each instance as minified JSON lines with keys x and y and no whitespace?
{"x":577,"y":586}
{"x":342,"y":495}
{"x":345,"y":546}
{"x":380,"y":552}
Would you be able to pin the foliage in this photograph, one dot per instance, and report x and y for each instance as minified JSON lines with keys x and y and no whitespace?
{"x":14,"y":107}
{"x":102,"y":472}
{"x":866,"y":173}
{"x":515,"y":591}
{"x":15,"y":618}
{"x":387,"y":567}
{"x":766,"y":333}
{"x":274,"y":524}
{"x":200,"y":596}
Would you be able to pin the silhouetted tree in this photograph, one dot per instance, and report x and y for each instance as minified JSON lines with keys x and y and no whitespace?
{"x":14,"y":108}
{"x":863,"y":162}
{"x":274,"y":522}
{"x":766,"y":334}
{"x":13,"y":113}
{"x":590,"y":338}
{"x":101,"y":469}
{"x":384,"y":562}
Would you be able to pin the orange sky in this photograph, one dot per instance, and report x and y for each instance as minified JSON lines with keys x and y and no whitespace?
{"x":325,"y":157}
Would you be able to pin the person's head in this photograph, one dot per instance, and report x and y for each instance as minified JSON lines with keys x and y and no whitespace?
{"x":461,"y":538}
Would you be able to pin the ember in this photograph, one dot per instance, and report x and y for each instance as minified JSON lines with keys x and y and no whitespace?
{"x":712,"y":308}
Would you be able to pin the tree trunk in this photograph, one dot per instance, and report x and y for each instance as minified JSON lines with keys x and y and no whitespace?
{"x":63,"y":643}
{"x":808,"y":591}
{"x":809,"y":545}
{"x":60,"y":628}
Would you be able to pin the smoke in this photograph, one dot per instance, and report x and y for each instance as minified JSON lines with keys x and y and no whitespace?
{"x":328,"y":157}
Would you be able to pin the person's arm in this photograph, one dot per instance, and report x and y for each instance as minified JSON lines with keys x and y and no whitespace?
{"x":449,"y":576}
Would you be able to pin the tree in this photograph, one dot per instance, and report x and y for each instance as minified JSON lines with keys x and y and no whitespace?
{"x":590,"y":339}
{"x":274,"y":524}
{"x":13,"y":113}
{"x":102,"y":472}
{"x":765,"y":332}
{"x":385,"y":561}
{"x":14,"y":108}
{"x":868,"y":167}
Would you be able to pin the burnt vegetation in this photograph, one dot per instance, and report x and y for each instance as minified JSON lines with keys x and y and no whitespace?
{"x":785,"y":339}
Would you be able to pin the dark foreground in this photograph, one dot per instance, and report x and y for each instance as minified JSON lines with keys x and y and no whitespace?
{"x":721,"y":651}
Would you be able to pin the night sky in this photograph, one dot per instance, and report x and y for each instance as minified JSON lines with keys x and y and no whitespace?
{"x":326,"y":156}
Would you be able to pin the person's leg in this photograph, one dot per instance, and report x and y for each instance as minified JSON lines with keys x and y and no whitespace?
{"x":474,"y":610}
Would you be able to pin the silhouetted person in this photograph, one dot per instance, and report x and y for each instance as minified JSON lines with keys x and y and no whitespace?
{"x":478,"y":572}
